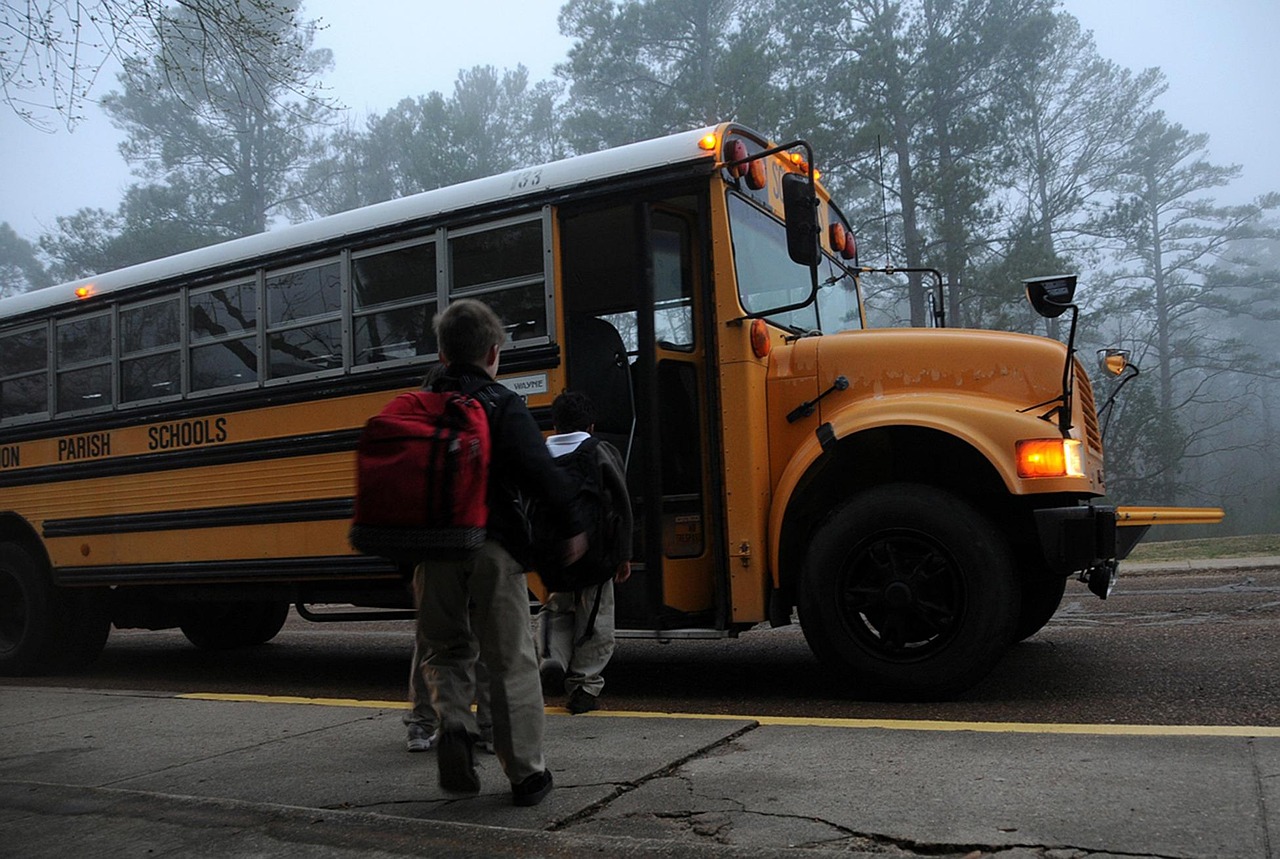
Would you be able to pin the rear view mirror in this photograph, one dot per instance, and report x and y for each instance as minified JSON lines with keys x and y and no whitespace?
{"x":800,"y":207}
{"x":1052,"y":295}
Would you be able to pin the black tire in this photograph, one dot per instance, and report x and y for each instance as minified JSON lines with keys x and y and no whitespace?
{"x":43,"y":628}
{"x":227,"y":625}
{"x":1041,"y":595}
{"x":910,"y":592}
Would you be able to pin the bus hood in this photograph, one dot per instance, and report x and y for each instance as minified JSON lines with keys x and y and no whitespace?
{"x":991,"y":388}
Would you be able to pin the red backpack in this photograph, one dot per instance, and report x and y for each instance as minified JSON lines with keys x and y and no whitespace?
{"x":422,"y":476}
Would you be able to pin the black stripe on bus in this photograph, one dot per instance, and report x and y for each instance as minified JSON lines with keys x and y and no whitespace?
{"x":292,"y":570}
{"x":210,"y":517}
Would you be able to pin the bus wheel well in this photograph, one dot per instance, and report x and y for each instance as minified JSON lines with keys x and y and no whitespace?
{"x":43,"y":627}
{"x":15,"y":529}
{"x":874,"y":458}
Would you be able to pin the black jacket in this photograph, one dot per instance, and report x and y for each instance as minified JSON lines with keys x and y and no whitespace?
{"x":519,"y":462}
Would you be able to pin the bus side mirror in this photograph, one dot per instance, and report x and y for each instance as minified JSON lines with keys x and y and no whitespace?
{"x":800,"y":208}
{"x":1051,"y":296}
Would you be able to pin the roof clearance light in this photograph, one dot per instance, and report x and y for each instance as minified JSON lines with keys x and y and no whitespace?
{"x":84,"y":291}
{"x":761,"y":345}
{"x":1050,"y":457}
{"x":798,"y":160}
{"x":709,"y":142}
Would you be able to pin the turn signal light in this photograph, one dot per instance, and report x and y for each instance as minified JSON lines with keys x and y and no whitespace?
{"x":1050,"y":457}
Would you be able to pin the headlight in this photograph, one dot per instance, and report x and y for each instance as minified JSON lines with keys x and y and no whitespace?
{"x":1050,"y":457}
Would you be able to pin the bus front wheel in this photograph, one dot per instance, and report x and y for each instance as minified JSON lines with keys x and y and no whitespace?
{"x":909,"y":592}
{"x":44,"y":628}
{"x":227,"y":625}
{"x":1042,"y":593}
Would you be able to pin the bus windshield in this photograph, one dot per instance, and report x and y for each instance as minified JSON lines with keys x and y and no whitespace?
{"x":768,"y":278}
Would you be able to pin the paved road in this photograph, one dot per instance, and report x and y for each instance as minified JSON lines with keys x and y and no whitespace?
{"x":1189,"y":647}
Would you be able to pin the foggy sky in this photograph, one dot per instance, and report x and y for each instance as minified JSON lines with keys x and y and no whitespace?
{"x":1219,"y":57}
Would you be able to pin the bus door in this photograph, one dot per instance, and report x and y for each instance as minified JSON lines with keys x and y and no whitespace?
{"x":646,"y":374}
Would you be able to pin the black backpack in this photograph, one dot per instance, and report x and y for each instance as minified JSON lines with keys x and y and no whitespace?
{"x":599,"y":511}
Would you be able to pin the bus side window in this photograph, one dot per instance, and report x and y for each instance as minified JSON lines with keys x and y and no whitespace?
{"x":304,"y":331}
{"x":224,"y":344}
{"x":24,"y":373}
{"x":505,"y":267}
{"x":393,"y":301}
{"x":150,"y":362}
{"x":83,"y":356}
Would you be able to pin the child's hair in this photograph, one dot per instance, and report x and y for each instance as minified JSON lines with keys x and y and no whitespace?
{"x":466,"y":330}
{"x":572,"y":411}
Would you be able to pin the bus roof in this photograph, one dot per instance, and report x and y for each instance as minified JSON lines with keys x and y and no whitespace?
{"x":556,"y":176}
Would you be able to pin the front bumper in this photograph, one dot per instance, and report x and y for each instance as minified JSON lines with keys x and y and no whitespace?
{"x":1091,"y":539}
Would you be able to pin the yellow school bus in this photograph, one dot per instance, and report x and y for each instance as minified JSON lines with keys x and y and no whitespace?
{"x":177,"y":438}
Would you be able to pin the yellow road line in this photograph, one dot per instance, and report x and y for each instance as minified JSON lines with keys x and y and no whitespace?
{"x":819,"y":722}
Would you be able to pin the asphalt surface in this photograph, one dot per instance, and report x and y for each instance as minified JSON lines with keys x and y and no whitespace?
{"x":119,"y":773}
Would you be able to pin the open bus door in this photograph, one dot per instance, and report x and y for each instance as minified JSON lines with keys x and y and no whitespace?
{"x":646,"y":374}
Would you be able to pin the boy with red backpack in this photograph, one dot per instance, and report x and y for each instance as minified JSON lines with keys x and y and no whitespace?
{"x":480,"y":595}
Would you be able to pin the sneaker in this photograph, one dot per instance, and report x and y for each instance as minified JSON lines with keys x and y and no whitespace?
{"x":532,"y":790}
{"x":582,"y":701}
{"x":457,"y":762}
{"x":422,"y":738}
{"x":552,"y":673}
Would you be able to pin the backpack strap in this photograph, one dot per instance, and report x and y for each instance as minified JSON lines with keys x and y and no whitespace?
{"x":591,"y":620}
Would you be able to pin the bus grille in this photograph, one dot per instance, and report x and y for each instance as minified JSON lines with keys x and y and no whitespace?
{"x":1088,"y":409}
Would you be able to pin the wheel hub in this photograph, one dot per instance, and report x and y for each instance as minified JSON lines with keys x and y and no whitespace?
{"x":898,"y":595}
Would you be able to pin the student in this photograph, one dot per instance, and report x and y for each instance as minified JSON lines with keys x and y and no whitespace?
{"x":481,"y":596}
{"x":420,"y":718}
{"x":576,"y":627}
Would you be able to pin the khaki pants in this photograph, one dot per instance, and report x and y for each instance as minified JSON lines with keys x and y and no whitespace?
{"x":483,"y":598}
{"x":563,"y":621}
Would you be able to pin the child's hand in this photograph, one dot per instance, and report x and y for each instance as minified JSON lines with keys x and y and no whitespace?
{"x":624,"y":572}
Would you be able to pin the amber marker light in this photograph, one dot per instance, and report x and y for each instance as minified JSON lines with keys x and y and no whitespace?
{"x":761,"y":345}
{"x":1050,"y":457}
{"x":798,"y":160}
{"x":84,"y":291}
{"x":709,"y":142}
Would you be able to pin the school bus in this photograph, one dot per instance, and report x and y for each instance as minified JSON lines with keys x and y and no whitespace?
{"x":177,"y":438}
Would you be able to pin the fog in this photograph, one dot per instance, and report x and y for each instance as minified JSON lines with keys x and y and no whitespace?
{"x":1221,"y":68}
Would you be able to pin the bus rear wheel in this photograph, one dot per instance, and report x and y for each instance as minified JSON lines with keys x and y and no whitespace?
{"x":909,"y":592}
{"x":43,"y":628}
{"x":227,"y":625}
